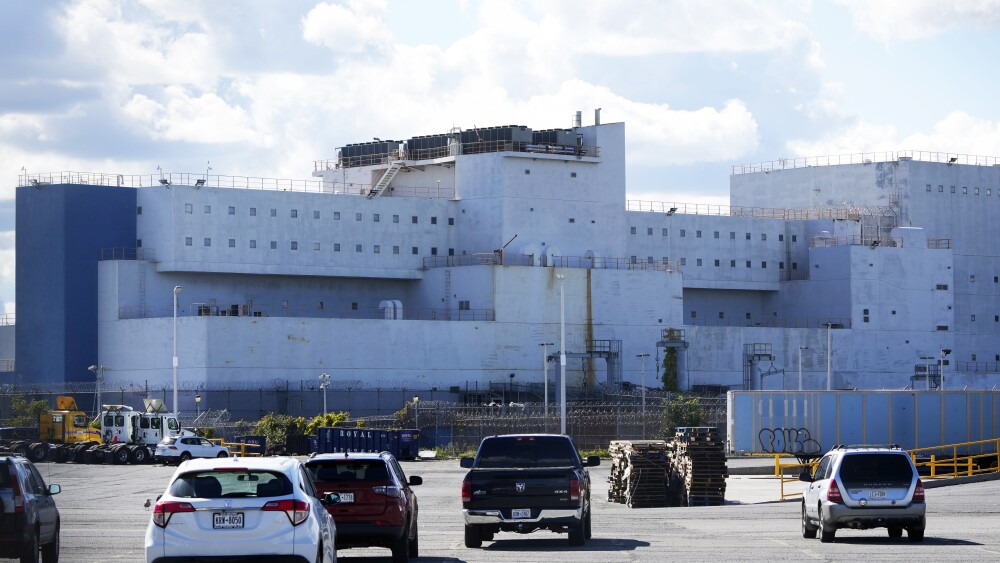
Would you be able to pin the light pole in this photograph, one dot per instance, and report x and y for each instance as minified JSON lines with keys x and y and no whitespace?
{"x":829,"y":340}
{"x":416,"y":414}
{"x":944,"y":352}
{"x":98,"y":378}
{"x":801,"y":348}
{"x":545,"y":372}
{"x":642,"y":383}
{"x":562,"y":353}
{"x":177,"y":291}
{"x":927,"y":371}
{"x":197,"y":405}
{"x":324,"y":383}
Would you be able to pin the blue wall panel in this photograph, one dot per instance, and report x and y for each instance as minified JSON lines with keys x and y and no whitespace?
{"x":61,"y":230}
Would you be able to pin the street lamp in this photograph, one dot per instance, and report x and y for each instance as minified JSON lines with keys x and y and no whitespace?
{"x":197,"y":404}
{"x":927,"y":371}
{"x":829,"y":339}
{"x":324,"y":383}
{"x":98,"y":371}
{"x":416,"y":415}
{"x":801,"y":348}
{"x":642,"y":382}
{"x":562,"y":353}
{"x":944,"y":352}
{"x":177,"y":291}
{"x":545,"y":371}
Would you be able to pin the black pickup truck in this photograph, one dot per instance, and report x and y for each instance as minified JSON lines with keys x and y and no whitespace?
{"x":526,"y":482}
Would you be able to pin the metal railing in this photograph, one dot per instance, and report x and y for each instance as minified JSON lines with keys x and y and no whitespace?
{"x":596,"y":263}
{"x":865,"y":158}
{"x":477,"y":147}
{"x":256,"y":310}
{"x":7,"y":319}
{"x":977,"y":367}
{"x":773,"y":322}
{"x":958,"y":460}
{"x":671,"y":208}
{"x":855,"y":240}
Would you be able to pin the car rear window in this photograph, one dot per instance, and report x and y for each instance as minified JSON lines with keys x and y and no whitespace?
{"x":231,"y":484}
{"x":4,"y":475}
{"x":349,"y":471}
{"x":527,"y":451}
{"x":871,"y":469}
{"x":168,"y":441}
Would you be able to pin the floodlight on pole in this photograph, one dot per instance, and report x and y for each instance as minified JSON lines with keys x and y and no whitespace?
{"x":197,"y":404}
{"x":177,"y":291}
{"x":944,"y":352}
{"x":642,"y":383}
{"x":545,"y":375}
{"x":324,"y":383}
{"x":416,"y":413}
{"x":98,"y":371}
{"x":562,"y":353}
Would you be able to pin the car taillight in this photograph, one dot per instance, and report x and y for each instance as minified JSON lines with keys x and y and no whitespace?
{"x":164,"y":510}
{"x":387,"y":491}
{"x":466,"y":491}
{"x":574,"y":489}
{"x":296,"y":510}
{"x":918,"y":493}
{"x":833,"y":493}
{"x":16,"y":489}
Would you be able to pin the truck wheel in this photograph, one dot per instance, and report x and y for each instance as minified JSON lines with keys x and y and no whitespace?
{"x":472,"y":537}
{"x":586,"y":527}
{"x":37,"y":453}
{"x":50,"y":551}
{"x":139,"y":454}
{"x":577,"y":534}
{"x":120,"y":455}
{"x":20,"y":448}
{"x":62,"y":454}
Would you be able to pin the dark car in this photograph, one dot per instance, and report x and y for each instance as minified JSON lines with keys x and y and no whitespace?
{"x":372,"y":503}
{"x":29,"y":519}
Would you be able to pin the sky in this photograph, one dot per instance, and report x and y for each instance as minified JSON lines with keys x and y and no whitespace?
{"x":266,"y":88}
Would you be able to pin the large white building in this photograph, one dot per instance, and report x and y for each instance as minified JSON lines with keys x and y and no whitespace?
{"x":442,"y":261}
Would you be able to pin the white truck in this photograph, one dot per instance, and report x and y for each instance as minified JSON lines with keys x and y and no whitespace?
{"x":130,"y":436}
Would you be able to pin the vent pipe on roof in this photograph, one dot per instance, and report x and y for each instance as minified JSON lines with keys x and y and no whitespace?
{"x":578,"y":120}
{"x":597,"y":116}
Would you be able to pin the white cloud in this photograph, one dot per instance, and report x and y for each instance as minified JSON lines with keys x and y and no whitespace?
{"x":349,"y":29}
{"x":886,"y":20}
{"x":187,"y":116}
{"x":7,"y":271}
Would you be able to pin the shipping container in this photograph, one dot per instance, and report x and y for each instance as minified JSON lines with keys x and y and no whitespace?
{"x":403,"y":444}
{"x":812,"y":422}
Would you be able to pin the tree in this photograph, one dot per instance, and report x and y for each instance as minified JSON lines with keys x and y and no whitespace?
{"x":26,"y":413}
{"x":669,"y":374}
{"x":682,"y":410}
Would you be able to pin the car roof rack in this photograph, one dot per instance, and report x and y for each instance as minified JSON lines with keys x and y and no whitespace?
{"x":866,"y":446}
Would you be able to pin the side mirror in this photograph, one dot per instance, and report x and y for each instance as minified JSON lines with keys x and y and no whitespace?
{"x":805,"y":476}
{"x":467,"y":462}
{"x":593,"y":461}
{"x":415,"y":480}
{"x":54,"y":489}
{"x":331,"y":498}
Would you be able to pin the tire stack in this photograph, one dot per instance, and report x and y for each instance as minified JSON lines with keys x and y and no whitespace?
{"x":639,"y":473}
{"x":698,"y":461}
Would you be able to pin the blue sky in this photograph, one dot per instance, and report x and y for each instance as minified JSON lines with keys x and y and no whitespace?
{"x":265,"y":88}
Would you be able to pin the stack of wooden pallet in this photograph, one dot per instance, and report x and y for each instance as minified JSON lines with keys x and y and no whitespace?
{"x":639,"y":472}
{"x":698,"y":467}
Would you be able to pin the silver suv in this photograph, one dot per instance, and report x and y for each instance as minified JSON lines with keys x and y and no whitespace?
{"x":863,"y":487}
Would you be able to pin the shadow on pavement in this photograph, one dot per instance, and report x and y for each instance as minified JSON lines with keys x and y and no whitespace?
{"x":562,"y":544}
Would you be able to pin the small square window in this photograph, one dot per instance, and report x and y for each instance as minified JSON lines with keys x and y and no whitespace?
{"x":781,"y":238}
{"x":781,"y":265}
{"x":684,"y":261}
{"x":795,"y":265}
{"x":989,"y":192}
{"x":763,"y":236}
{"x":294,"y":245}
{"x":572,"y":174}
{"x":274,"y":212}
{"x":976,"y":191}
{"x":188,"y":241}
{"x":413,"y":219}
{"x":208,"y":209}
{"x":663,"y":232}
{"x":232,"y":210}
{"x":354,"y":306}
{"x":722,"y":314}
{"x":357,"y":216}
{"x":295,"y":213}
{"x":395,"y":218}
{"x":315,"y":246}
{"x":253,"y":211}
{"x":698,"y":262}
{"x":732,"y":263}
{"x":434,"y":251}
{"x":232,"y":243}
{"x":697,"y":234}
{"x":928,"y":187}
{"x":395,"y":249}
{"x":940,"y":189}
{"x":748,"y":264}
{"x":138,"y":210}
{"x":274,"y":245}
{"x":572,"y":220}
{"x":253,"y":244}
{"x":794,"y":238}
{"x":965,"y":190}
{"x":316,"y":214}
{"x":748,"y":236}
{"x":336,"y":215}
{"x":376,"y":217}
{"x":632,"y":230}
{"x":357,"y":248}
{"x":434,"y":220}
{"x":414,"y":250}
{"x":973,"y":319}
{"x":649,"y":231}
{"x":763,"y":265}
{"x":632,"y":260}
{"x":716,"y":263}
{"x":694,"y":314}
{"x":378,"y":249}
{"x":683,"y":233}
{"x":732,"y":235}
{"x":336,"y":247}
{"x":208,"y":241}
{"x":953,"y":189}
{"x":526,"y":171}
{"x":188,"y":208}
{"x":451,"y":220}
{"x":715,"y":234}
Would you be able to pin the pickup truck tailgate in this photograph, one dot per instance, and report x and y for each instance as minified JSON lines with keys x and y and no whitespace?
{"x":521,"y":488}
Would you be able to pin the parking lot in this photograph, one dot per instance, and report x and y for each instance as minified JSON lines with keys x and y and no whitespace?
{"x":103,"y":519}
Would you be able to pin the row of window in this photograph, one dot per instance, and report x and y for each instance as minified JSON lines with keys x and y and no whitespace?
{"x":715,"y":234}
{"x":294,"y":245}
{"x":718,"y":263}
{"x":965,"y":190}
{"x":294,"y":214}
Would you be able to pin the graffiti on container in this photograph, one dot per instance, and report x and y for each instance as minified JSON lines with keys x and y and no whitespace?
{"x":792,"y":441}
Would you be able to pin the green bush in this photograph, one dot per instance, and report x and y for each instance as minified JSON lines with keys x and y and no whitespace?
{"x":25,"y":413}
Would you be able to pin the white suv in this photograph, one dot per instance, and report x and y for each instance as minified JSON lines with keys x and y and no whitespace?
{"x":226,"y":508}
{"x":863,"y":487}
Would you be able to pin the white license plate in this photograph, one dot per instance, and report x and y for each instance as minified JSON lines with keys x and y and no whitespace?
{"x":876,"y":493}
{"x":518,"y":513}
{"x":222,"y":520}
{"x":346,"y":497}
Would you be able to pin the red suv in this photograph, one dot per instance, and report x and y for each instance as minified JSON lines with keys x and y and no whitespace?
{"x":370,"y":500}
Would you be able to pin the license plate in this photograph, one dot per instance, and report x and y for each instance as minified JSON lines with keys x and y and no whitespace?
{"x":222,"y":520}
{"x":517,"y":513}
{"x":346,"y":497}
{"x":876,"y":493}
